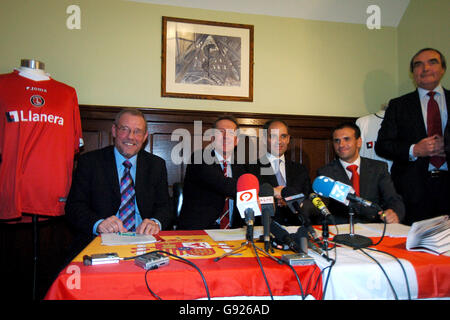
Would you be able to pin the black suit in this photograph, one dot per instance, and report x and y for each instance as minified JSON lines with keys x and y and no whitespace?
{"x":297,"y":180}
{"x":205,"y":189}
{"x":95,"y":191}
{"x":404,"y":125}
{"x":375,"y":185}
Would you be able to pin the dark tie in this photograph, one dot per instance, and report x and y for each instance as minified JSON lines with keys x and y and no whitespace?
{"x":355,"y":177}
{"x":225,"y":218}
{"x":127,"y":197}
{"x":434,"y":126}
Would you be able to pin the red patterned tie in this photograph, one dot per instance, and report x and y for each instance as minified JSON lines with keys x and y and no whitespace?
{"x":355,"y":177}
{"x":225,"y":218}
{"x":434,"y":126}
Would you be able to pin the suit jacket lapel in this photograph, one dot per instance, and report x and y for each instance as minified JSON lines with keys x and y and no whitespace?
{"x":111,"y":170}
{"x":289,"y":173}
{"x":268,"y":172}
{"x":416,"y":113}
{"x":447,"y":101}
{"x":364,"y":177}
{"x":339,"y":172}
{"x":142,"y":176}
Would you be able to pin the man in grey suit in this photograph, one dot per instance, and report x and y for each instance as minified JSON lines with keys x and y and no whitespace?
{"x":374,"y":182}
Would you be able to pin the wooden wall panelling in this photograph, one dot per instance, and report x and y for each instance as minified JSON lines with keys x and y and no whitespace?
{"x":310,"y":135}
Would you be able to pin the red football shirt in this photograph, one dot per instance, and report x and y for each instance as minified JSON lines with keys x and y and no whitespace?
{"x":40,"y":132}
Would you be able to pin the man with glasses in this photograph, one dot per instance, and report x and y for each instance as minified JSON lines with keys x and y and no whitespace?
{"x":120,"y":188}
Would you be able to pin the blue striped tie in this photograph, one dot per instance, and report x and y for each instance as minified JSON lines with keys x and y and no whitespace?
{"x":278,"y":175}
{"x":127,"y":199}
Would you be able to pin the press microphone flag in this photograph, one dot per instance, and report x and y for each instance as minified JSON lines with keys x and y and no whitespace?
{"x":318,"y":203}
{"x":247,"y":195}
{"x":268,"y":210}
{"x":292,"y":200}
{"x":339,"y":191}
{"x":328,"y":187}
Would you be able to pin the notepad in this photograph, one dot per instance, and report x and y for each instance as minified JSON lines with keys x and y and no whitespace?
{"x":126,"y":238}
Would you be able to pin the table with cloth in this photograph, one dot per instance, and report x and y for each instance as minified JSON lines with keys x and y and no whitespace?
{"x":237,"y":275}
{"x":388,"y":271}
{"x":377,"y":274}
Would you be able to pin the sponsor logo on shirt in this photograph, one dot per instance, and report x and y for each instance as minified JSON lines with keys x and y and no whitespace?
{"x":37,"y":100}
{"x":36,"y":89}
{"x":23,"y":116}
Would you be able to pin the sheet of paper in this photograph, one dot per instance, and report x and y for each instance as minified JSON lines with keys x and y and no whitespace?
{"x":117,"y":239}
{"x":394,"y":230}
{"x":233,"y":234}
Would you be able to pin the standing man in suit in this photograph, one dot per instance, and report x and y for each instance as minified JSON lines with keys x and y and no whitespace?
{"x":279,"y":172}
{"x":119,"y":188}
{"x":412,"y":136}
{"x":210,"y":182}
{"x":370,"y":179}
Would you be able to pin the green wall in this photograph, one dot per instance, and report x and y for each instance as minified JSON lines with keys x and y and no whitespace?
{"x":425,"y":24}
{"x":301,"y":66}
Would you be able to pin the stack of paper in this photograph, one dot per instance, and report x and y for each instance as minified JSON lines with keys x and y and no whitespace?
{"x":431,"y":235}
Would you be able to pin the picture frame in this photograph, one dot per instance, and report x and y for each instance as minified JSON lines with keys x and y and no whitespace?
{"x":207,"y":60}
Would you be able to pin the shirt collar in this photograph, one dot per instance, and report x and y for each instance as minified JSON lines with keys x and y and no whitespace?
{"x":220,"y":157}
{"x":346,"y":164}
{"x":423,"y":92}
{"x":272,"y":158}
{"x":120,"y":158}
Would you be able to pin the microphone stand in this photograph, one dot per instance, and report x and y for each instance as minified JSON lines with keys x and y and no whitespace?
{"x":325,"y":234}
{"x":351,"y":239}
{"x":249,"y":241}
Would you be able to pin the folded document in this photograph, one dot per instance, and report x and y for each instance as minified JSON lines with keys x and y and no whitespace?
{"x":126,"y":238}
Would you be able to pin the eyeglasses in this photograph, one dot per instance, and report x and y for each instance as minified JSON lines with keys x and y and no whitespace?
{"x":124,"y":130}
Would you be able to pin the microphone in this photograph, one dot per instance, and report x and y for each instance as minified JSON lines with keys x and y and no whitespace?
{"x":268,"y":211}
{"x":341,"y":192}
{"x":282,"y":236}
{"x":318,"y":250}
{"x":318,"y":203}
{"x":294,"y":202}
{"x":249,"y":220}
{"x":301,"y":239}
{"x":344,"y":193}
{"x":247,"y":195}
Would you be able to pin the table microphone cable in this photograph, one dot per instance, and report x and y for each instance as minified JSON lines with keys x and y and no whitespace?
{"x":401,"y":266}
{"x":384,"y":271}
{"x":177,"y":257}
{"x":382,"y":235}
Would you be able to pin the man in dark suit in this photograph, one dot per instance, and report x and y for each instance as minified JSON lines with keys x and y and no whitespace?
{"x":209,"y":186}
{"x":411,"y":135}
{"x":96,"y":204}
{"x":279,"y":172}
{"x":372,"y":180}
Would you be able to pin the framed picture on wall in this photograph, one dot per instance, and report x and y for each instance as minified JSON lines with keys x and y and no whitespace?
{"x":207,"y":60}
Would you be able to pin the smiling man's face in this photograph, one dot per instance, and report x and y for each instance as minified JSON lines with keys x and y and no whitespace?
{"x":129,"y":132}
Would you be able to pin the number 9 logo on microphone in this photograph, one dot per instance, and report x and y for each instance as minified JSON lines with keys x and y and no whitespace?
{"x":246,"y":196}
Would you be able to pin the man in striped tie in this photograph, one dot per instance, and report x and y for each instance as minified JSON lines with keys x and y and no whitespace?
{"x":122,"y":187}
